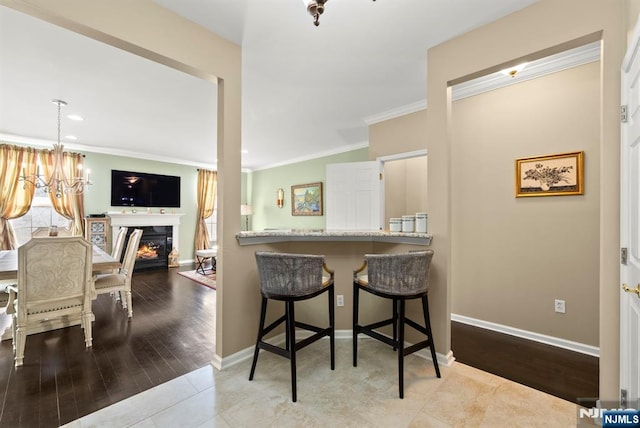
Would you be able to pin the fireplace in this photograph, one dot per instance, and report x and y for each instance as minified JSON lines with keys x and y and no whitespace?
{"x":153,"y":250}
{"x":156,"y":253}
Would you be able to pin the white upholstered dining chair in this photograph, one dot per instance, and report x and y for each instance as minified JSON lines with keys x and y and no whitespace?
{"x":120,"y":282}
{"x":118,"y":246}
{"x":54,"y":289}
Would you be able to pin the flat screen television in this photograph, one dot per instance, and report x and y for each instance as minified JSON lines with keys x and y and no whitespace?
{"x":139,"y":189}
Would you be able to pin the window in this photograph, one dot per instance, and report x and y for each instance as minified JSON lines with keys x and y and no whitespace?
{"x":41,"y":214}
{"x":212,"y":223}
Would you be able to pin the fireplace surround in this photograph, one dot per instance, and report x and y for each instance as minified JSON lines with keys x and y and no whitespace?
{"x":161,"y":233}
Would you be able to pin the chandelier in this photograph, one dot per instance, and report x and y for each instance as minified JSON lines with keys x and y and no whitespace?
{"x":58,"y":184}
{"x":315,"y":8}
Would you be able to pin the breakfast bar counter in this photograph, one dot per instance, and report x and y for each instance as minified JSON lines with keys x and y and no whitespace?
{"x":315,"y":235}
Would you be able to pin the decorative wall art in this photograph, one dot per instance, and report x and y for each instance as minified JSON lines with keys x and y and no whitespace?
{"x":306,"y":199}
{"x":551,"y":175}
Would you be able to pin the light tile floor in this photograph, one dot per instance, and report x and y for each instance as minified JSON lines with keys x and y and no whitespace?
{"x":363,"y":396}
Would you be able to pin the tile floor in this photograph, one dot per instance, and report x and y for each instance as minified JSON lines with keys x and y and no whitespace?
{"x":363,"y":396}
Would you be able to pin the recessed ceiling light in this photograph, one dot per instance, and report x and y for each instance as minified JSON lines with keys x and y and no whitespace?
{"x":70,"y":137}
{"x":244,"y":152}
{"x":75,"y":117}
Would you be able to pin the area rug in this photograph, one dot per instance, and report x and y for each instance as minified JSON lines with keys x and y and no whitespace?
{"x":208,"y":280}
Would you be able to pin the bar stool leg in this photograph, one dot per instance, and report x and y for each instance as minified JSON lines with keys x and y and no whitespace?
{"x":401,"y":346}
{"x":291,"y":329}
{"x":263,"y":315}
{"x":332,"y":335}
{"x":356,"y":292}
{"x":395,"y":322}
{"x":432,"y":346}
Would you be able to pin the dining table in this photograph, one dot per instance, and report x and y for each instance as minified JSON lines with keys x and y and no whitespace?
{"x":101,"y":260}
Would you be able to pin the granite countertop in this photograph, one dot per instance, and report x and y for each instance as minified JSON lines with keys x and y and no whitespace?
{"x":284,"y":235}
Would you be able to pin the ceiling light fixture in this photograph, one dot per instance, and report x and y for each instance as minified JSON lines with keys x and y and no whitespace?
{"x":512,"y":71}
{"x":58,"y":183}
{"x":315,"y":8}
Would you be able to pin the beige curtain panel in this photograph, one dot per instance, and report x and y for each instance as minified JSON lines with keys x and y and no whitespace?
{"x":69,"y":205}
{"x":15,"y":195}
{"x":207,"y":187}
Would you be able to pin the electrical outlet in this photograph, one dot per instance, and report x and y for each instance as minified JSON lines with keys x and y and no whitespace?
{"x":340,"y":300}
{"x":560,"y":308}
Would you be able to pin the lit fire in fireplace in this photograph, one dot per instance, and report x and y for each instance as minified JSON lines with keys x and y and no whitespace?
{"x":147,"y":251}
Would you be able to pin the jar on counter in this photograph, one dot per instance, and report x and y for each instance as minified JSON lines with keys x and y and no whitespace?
{"x":408,"y":223}
{"x":395,"y":224}
{"x":421,"y":222}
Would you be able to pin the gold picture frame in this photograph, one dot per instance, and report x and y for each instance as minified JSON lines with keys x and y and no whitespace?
{"x":306,"y":199}
{"x":551,"y":175}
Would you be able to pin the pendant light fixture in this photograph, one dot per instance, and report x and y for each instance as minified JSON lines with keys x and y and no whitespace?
{"x":58,"y":183}
{"x":315,"y":8}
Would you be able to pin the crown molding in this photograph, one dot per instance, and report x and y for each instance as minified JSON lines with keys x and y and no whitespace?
{"x":337,"y":151}
{"x":396,"y":112}
{"x":542,"y":67}
{"x":37,"y":142}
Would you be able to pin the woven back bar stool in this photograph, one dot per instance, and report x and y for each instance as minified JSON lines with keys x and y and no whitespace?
{"x":398,"y":277}
{"x":290,"y":278}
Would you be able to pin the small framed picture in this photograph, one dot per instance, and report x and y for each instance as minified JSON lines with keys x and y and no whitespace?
{"x":306,"y":199}
{"x":551,"y":175}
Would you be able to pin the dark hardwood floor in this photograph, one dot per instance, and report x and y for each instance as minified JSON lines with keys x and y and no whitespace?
{"x":172,"y":332}
{"x":566,"y":374}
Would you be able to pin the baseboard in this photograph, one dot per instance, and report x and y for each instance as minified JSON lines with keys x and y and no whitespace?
{"x":582,"y":348}
{"x":233,"y":359}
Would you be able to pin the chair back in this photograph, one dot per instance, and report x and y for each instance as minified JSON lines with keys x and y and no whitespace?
{"x":129,"y":260}
{"x":283,"y":274}
{"x":402,"y":274}
{"x":54,"y":272}
{"x":118,"y":246}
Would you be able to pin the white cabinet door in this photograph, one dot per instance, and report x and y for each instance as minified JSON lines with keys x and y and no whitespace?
{"x":353,"y":196}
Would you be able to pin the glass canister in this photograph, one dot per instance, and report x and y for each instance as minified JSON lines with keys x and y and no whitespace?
{"x":395,"y":224}
{"x":421,"y":222}
{"x":408,"y":223}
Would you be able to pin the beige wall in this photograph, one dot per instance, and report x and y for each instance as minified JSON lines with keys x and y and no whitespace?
{"x":402,"y":178}
{"x":545,"y":27}
{"x":403,"y":134}
{"x":511,"y":257}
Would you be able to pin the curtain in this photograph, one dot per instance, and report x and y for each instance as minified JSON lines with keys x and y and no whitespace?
{"x":15,"y":195}
{"x":207,"y":186}
{"x":70,"y":205}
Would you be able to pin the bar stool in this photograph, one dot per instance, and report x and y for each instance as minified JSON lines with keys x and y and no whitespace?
{"x":399,"y":277}
{"x":204,"y":255}
{"x":291,"y":278}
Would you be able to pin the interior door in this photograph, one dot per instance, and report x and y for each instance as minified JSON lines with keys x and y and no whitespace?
{"x":630,"y":228}
{"x":353,"y":196}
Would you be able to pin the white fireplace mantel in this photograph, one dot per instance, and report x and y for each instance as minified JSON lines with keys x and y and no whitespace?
{"x":146,"y":219}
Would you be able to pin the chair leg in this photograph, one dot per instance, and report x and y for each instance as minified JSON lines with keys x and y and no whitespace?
{"x":356,"y":293}
{"x":86,"y":325}
{"x":263,"y":315}
{"x":332,"y":334}
{"x":401,"y":346}
{"x":427,"y":323}
{"x":291,"y":328}
{"x":20,"y":339}
{"x":128,"y":300}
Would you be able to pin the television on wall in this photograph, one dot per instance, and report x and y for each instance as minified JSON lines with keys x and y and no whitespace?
{"x":139,"y":189}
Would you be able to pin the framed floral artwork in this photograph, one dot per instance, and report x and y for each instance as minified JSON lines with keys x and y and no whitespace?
{"x":551,"y":175}
{"x":306,"y":199}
